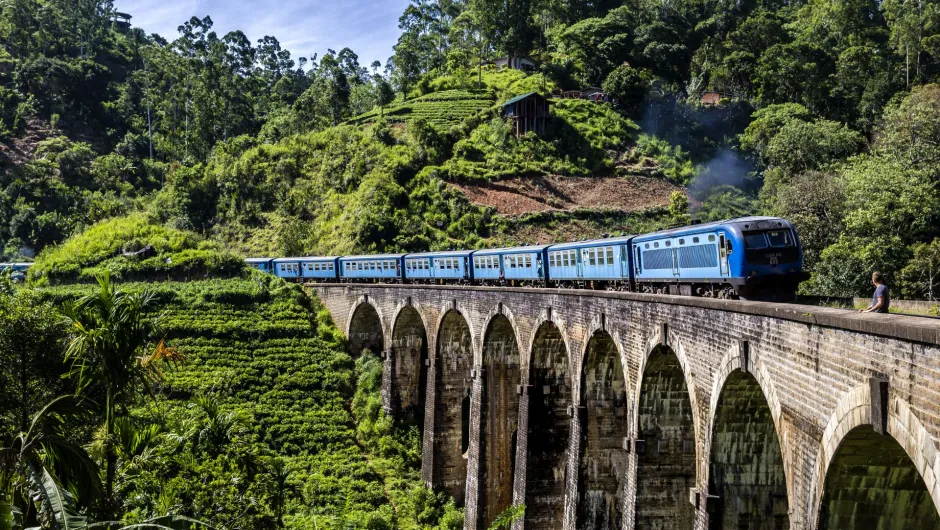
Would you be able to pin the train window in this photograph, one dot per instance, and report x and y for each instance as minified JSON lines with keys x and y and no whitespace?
{"x":331,"y":266}
{"x":754,"y":240}
{"x":656,"y":244}
{"x":647,"y":245}
{"x":695,"y":240}
{"x":528,"y":261}
{"x":610,"y":255}
{"x":711,"y":238}
{"x":668,"y":243}
{"x":779,"y":238}
{"x":682,"y":241}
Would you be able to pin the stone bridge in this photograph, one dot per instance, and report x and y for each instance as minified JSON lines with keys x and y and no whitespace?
{"x":604,"y":410}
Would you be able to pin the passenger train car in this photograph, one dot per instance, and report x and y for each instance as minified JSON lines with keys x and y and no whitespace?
{"x":17,"y":270}
{"x":748,"y":257}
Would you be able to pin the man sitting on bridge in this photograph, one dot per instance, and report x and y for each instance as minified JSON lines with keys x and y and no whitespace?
{"x":881,"y":301}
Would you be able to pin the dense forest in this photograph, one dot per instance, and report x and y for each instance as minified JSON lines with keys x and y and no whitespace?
{"x":230,"y":402}
{"x":829,"y":115}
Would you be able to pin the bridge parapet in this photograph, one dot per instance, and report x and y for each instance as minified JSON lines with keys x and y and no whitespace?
{"x":760,"y":406}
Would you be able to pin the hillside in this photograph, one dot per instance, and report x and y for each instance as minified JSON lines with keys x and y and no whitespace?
{"x":519,"y":196}
{"x":293,"y":449}
{"x":441,"y":109}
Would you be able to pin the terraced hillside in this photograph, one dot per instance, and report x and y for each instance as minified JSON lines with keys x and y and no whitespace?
{"x":443,"y":109}
{"x":261,"y":349}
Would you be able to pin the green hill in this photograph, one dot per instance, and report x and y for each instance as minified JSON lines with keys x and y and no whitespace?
{"x":299,"y":450}
{"x":442,"y":109}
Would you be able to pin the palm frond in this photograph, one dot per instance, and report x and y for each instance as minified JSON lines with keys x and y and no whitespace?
{"x":53,"y":501}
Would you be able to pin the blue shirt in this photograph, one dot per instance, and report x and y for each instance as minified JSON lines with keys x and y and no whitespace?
{"x":881,"y":292}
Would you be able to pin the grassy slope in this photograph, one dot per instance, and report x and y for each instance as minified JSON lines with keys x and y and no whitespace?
{"x":442,"y":109}
{"x":262,"y":347}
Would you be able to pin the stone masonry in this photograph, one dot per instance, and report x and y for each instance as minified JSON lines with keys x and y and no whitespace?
{"x":599,"y":409}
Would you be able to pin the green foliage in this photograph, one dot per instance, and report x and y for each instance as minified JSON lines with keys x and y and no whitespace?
{"x":801,"y":146}
{"x":912,"y":129}
{"x":444,"y":109}
{"x":32,"y":340}
{"x":627,"y":87}
{"x":672,"y":161}
{"x":396,"y":454}
{"x":577,"y":142}
{"x":921,"y":276}
{"x":101,"y":248}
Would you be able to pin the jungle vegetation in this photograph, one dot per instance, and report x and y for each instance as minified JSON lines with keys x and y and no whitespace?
{"x":826,"y":113}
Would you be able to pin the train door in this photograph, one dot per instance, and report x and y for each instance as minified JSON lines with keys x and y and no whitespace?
{"x":624,"y":262}
{"x":723,"y":254}
{"x":675,"y":260}
{"x":579,"y":260}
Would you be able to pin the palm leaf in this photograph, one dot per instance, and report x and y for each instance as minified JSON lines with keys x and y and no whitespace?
{"x":53,"y":501}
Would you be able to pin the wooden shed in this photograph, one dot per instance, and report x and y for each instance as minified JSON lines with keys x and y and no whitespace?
{"x":528,"y":112}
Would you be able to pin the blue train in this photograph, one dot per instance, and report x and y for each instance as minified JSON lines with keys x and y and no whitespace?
{"x":17,"y":270}
{"x":748,"y":257}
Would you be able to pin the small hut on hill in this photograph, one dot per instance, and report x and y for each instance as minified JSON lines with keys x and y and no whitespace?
{"x":528,"y":112}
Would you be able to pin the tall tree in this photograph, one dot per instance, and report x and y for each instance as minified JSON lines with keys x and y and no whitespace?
{"x":111,"y":350}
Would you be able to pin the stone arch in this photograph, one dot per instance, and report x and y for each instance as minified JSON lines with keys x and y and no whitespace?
{"x":499,"y":415}
{"x":502,"y":312}
{"x":365,"y":327}
{"x":604,"y":424}
{"x":747,"y":478}
{"x":853,"y":487}
{"x":666,"y":457}
{"x":453,"y":363}
{"x":409,"y":365}
{"x":549,"y":427}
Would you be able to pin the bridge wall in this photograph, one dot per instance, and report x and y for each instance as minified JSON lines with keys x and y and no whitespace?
{"x":799,"y":379}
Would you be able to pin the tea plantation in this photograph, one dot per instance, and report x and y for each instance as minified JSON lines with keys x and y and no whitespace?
{"x":262,"y":350}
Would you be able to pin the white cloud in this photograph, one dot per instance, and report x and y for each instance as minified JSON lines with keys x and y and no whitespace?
{"x":305,"y":27}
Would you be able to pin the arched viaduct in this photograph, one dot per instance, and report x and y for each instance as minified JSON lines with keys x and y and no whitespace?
{"x":616,"y":410}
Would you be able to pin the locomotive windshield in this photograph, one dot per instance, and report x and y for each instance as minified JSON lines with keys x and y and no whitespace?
{"x":779,"y":238}
{"x":754,"y":240}
{"x":773,"y":238}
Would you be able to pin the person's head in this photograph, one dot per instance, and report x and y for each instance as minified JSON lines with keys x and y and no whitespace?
{"x":876,"y":278}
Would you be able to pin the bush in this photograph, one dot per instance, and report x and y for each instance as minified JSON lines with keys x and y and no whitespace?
{"x":175,"y":253}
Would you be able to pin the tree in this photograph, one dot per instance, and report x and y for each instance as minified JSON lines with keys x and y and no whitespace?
{"x":801,"y":146}
{"x":111,"y":333}
{"x":32,"y":342}
{"x":626,"y":87}
{"x":921,"y":276}
{"x":40,"y":466}
{"x":911,"y":130}
{"x":384,"y":93}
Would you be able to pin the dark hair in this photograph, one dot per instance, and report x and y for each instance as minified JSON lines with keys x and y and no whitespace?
{"x":876,"y":276}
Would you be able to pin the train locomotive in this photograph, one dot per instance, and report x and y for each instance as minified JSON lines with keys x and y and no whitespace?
{"x":747,"y":257}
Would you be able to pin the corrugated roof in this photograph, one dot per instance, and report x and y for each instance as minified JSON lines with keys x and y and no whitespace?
{"x":519,"y":98}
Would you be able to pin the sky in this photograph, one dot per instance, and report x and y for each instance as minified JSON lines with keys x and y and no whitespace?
{"x":305,"y":27}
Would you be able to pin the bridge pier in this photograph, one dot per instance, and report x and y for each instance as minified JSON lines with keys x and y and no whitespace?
{"x":673,"y":412}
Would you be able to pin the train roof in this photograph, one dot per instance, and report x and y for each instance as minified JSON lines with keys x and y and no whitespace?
{"x":592,"y":243}
{"x":511,"y":250}
{"x":440,"y":253}
{"x":257,"y":260}
{"x":371,"y":256}
{"x":739,"y":222}
{"x":306,"y":258}
{"x":17,"y":264}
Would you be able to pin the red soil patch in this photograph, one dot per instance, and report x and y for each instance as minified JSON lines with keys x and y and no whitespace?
{"x":519,"y":196}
